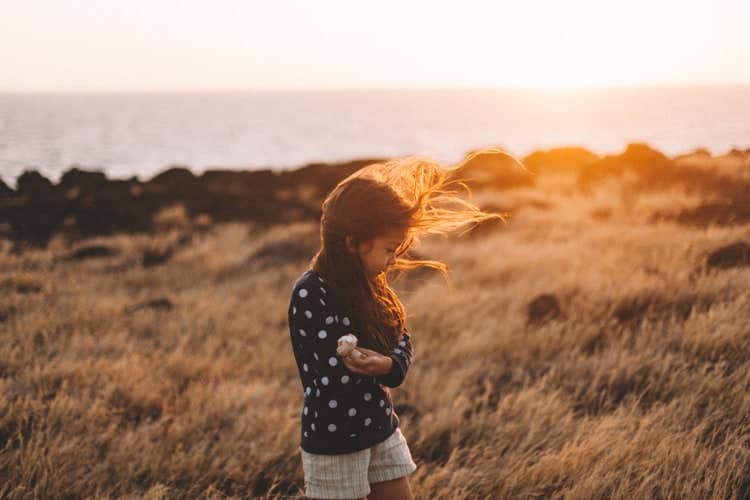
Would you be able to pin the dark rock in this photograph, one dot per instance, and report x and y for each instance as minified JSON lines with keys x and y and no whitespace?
{"x":92,"y":252}
{"x":84,"y":181}
{"x":33,"y":184}
{"x":542,"y":309}
{"x":322,"y":176}
{"x":86,"y":204}
{"x":736,"y":153}
{"x":28,"y":287}
{"x":650,"y":165}
{"x":160,"y":303}
{"x":184,"y":239}
{"x":570,"y":159}
{"x":632,"y":308}
{"x":642,"y":154}
{"x":702,"y":152}
{"x":19,"y":285}
{"x":175,"y":179}
{"x":719,"y":213}
{"x":6,"y":312}
{"x":156,"y":256}
{"x":492,"y":170}
{"x":239,"y":181}
{"x":5,"y":191}
{"x":34,"y":222}
{"x":735,"y":255}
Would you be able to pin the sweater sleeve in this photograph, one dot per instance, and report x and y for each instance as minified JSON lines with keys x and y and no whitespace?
{"x":402,"y":356}
{"x":317,"y":325}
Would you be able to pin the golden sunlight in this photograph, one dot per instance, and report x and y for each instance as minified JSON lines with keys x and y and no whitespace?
{"x":560,"y":46}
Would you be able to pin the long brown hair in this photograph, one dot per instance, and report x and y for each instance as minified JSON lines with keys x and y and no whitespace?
{"x":411,"y":194}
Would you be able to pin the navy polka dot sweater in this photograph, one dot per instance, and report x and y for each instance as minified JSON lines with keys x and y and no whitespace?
{"x":343,"y":411}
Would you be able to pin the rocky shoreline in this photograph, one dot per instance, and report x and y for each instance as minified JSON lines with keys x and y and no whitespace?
{"x":86,"y":203}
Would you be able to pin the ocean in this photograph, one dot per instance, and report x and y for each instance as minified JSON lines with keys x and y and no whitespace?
{"x":142,"y":134}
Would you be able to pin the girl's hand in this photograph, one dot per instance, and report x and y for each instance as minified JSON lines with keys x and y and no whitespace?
{"x":370,"y":363}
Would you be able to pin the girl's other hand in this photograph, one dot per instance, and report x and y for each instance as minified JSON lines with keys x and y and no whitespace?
{"x":368,"y":363}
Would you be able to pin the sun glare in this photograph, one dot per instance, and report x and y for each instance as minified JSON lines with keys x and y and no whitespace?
{"x":558,"y":46}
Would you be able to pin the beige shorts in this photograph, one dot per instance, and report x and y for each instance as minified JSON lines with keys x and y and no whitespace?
{"x":349,"y":475}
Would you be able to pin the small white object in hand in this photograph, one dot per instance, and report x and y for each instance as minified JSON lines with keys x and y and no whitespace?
{"x":346,"y":344}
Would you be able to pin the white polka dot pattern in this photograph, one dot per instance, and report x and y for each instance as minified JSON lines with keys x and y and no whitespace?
{"x":343,"y":401}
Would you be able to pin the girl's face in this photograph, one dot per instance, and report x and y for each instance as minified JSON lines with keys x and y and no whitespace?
{"x":379,"y":253}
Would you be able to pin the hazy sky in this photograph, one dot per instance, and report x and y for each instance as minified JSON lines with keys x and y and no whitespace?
{"x":246,"y":44}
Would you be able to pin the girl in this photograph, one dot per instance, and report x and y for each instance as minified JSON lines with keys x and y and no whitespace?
{"x":351,"y":444}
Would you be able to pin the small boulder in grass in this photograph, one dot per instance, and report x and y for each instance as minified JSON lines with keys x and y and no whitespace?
{"x":160,"y":303}
{"x":156,"y":256}
{"x":735,"y":255}
{"x":92,"y":251}
{"x":543,"y":308}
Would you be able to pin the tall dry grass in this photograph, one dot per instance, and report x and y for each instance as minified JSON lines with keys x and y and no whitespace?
{"x":637,"y":388}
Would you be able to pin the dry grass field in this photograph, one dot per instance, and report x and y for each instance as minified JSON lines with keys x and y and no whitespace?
{"x":594,"y":346}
